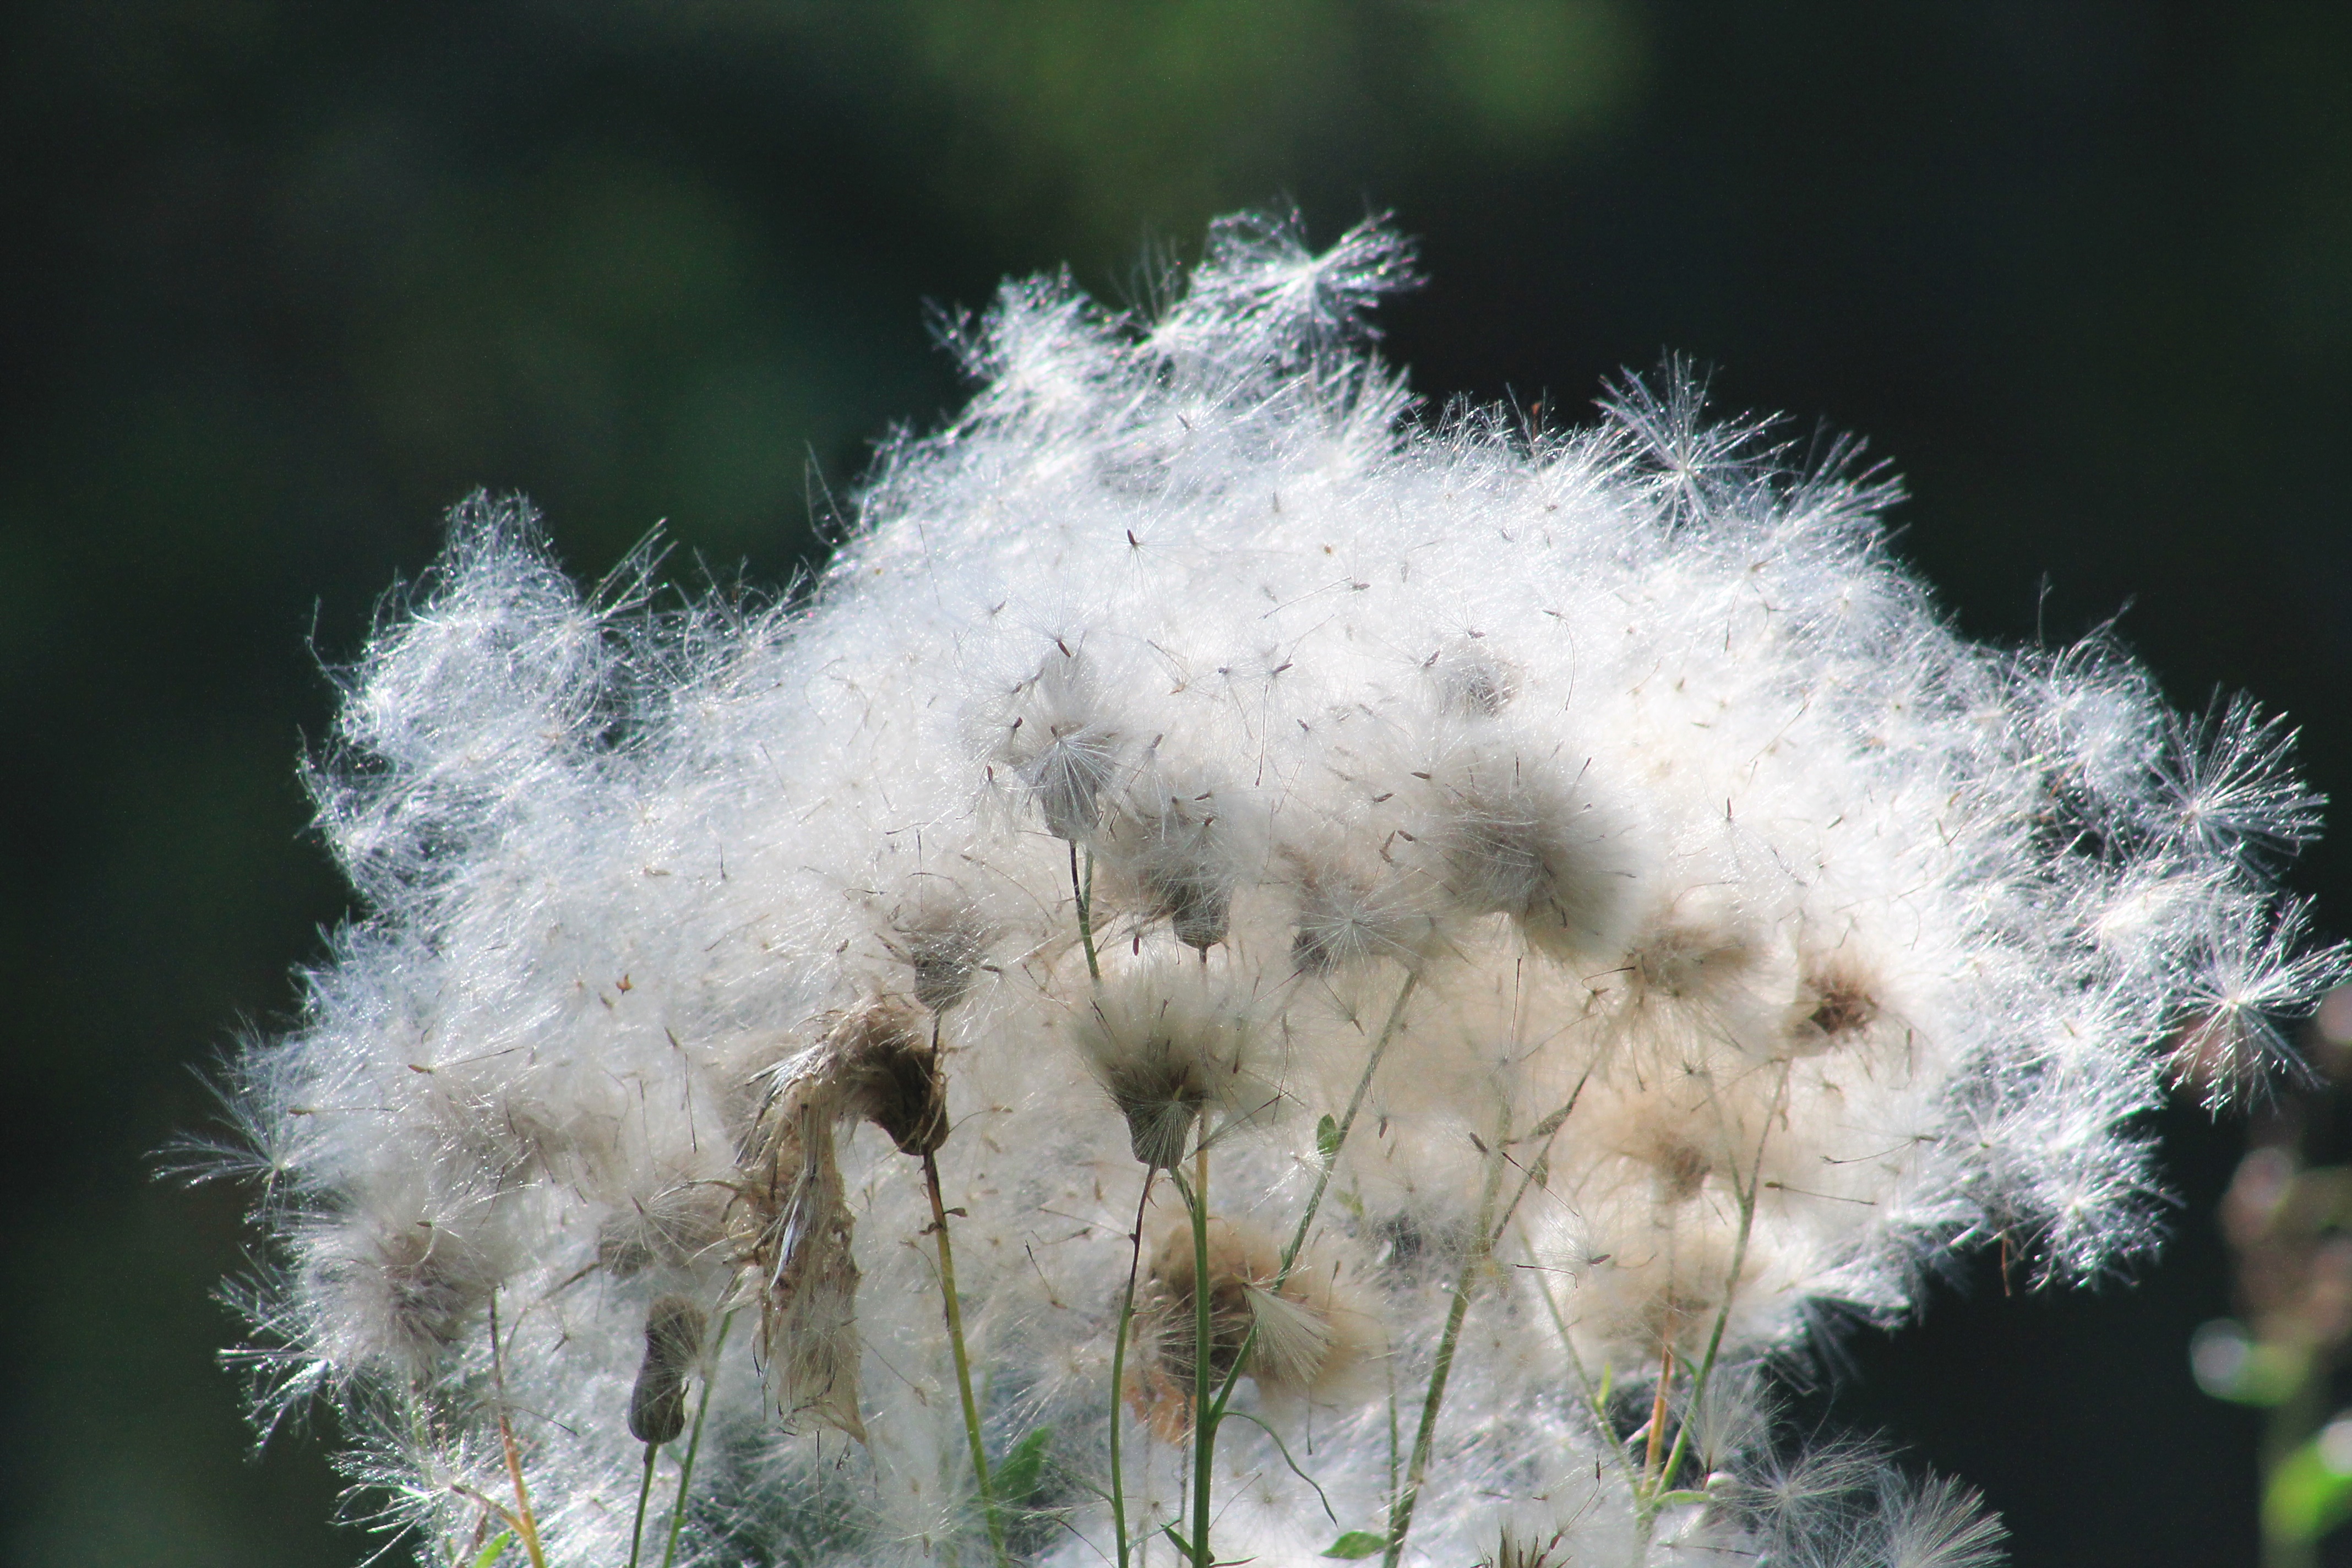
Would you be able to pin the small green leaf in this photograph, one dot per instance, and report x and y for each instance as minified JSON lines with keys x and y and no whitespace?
{"x":1357,"y":1543}
{"x":1018,"y":1472}
{"x":1326,"y":1140}
{"x":495,"y":1550}
{"x":1607,"y":1377}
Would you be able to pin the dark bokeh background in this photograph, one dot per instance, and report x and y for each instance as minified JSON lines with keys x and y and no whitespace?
{"x":283,"y":280}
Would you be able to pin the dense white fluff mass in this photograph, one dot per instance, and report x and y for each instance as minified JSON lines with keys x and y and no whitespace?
{"x":1580,"y":869}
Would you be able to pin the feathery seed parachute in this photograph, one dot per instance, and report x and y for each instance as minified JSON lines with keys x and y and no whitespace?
{"x":1443,"y":937}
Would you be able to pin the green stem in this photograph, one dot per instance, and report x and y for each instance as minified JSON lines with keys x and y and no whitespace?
{"x":1118,"y":1369}
{"x":1594,"y":1394}
{"x":1548,"y":1130}
{"x":963,"y":1364}
{"x":1085,"y":891}
{"x":1425,"y":1439}
{"x":1330,"y":1163}
{"x":1392,"y":1426}
{"x":1283,"y":1449}
{"x":1355,"y":1103}
{"x":1723,"y":1313}
{"x":1204,"y":1420}
{"x":644,"y":1493}
{"x":694,"y":1442}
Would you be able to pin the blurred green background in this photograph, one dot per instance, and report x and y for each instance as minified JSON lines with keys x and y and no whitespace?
{"x":279,"y":282}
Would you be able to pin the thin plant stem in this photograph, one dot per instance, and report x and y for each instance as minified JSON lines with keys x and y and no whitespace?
{"x":1355,"y":1103}
{"x":644,"y":1492}
{"x":1283,"y":1449}
{"x":493,"y":1511}
{"x":1548,"y":1130}
{"x":1084,"y":892}
{"x":1208,"y":1412}
{"x":1394,"y":1455}
{"x":694,"y":1442}
{"x":1723,"y":1314}
{"x":962,"y":1362}
{"x":1593,"y":1399}
{"x":1657,"y":1444}
{"x":1119,"y":1368}
{"x":1297,"y":1243}
{"x":523,"y":1520}
{"x":1204,"y":1420}
{"x":1481,"y":1246}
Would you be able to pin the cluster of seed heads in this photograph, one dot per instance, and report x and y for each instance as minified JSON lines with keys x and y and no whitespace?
{"x":1451,"y":938}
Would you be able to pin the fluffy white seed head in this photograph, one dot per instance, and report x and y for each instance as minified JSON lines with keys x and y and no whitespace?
{"x":1582,"y":865}
{"x":1173,"y":1049}
{"x":1307,"y":1335}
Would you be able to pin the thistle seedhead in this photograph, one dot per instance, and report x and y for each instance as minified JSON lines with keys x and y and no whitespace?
{"x":885,"y":1063}
{"x":944,"y":939}
{"x":1520,"y":831}
{"x":1581,"y":871}
{"x":1351,"y":915}
{"x":1472,"y":682}
{"x":1065,"y":747}
{"x":675,"y":1326}
{"x":1181,"y":861}
{"x":1173,"y":1049}
{"x":677,"y":1225}
{"x":1305,"y":1336}
{"x":402,"y":1286}
{"x":1513,"y":1552}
